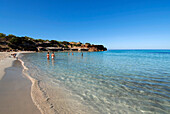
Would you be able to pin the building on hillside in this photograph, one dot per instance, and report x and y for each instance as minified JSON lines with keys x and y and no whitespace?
{"x":74,"y":49}
{"x":41,"y":49}
{"x":66,"y":49}
{"x":54,"y":49}
{"x":79,"y":49}
{"x":84,"y":49}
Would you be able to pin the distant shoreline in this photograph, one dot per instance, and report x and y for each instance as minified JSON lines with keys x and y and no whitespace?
{"x":138,"y":49}
{"x":14,"y":43}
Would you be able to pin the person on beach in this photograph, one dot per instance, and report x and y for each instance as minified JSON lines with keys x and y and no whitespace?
{"x":52,"y":56}
{"x":48,"y":55}
{"x":14,"y":55}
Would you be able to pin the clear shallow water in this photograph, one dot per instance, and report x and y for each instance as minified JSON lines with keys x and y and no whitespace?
{"x":116,"y":81}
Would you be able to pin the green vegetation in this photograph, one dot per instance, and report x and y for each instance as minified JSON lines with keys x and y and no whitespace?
{"x":2,"y":35}
{"x":26,"y":43}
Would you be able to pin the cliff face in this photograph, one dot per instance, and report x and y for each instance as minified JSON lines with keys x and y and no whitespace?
{"x":97,"y":48}
{"x":12,"y":42}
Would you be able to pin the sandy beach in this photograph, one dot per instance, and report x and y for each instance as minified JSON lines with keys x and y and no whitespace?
{"x":5,"y":62}
{"x":20,"y":93}
{"x":15,"y":87}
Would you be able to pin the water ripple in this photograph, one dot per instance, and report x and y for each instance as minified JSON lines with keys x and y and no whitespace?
{"x":118,"y":81}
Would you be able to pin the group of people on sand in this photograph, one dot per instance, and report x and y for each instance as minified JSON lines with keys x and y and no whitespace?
{"x":13,"y":55}
{"x":53,"y":55}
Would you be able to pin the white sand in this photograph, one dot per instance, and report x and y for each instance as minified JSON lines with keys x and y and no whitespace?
{"x":37,"y":96}
{"x":15,"y":90}
{"x":5,"y":62}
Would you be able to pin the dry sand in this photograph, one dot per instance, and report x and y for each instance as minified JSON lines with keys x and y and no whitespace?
{"x":15,"y":88}
{"x":5,"y":62}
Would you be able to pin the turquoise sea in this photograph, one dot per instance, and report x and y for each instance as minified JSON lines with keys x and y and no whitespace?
{"x":115,"y":81}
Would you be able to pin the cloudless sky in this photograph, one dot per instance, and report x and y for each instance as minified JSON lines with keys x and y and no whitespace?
{"x":117,"y":24}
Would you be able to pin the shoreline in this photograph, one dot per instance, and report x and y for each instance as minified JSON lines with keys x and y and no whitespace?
{"x":7,"y":62}
{"x":52,"y":101}
{"x":37,"y":95}
{"x":15,"y":89}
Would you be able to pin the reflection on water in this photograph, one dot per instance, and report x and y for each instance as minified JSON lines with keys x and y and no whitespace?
{"x":48,"y":62}
{"x":53,"y":61}
{"x":116,"y":81}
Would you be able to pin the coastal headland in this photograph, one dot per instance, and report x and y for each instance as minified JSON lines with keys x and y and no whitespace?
{"x":19,"y":92}
{"x":14,"y":43}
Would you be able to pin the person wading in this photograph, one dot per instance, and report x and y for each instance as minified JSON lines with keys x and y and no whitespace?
{"x":52,"y":55}
{"x":48,"y":55}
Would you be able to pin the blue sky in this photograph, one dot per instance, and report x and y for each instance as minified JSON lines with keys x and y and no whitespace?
{"x":117,"y":24}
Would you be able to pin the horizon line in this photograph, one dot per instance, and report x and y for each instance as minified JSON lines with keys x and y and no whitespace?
{"x":139,"y":49}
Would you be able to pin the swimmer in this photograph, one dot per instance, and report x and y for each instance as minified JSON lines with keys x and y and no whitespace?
{"x":48,"y":55}
{"x":52,"y":55}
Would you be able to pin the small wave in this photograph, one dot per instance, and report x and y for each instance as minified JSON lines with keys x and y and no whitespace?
{"x":129,"y":82}
{"x":38,"y":95}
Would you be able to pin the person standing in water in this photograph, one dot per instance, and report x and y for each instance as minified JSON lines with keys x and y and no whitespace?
{"x":82,"y":54}
{"x":52,"y":55}
{"x":48,"y":55}
{"x":72,"y":53}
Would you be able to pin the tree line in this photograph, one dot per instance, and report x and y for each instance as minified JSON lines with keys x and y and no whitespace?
{"x":28,"y":43}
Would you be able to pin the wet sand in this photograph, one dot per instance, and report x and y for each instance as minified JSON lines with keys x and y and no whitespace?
{"x":15,"y":92}
{"x":22,"y":94}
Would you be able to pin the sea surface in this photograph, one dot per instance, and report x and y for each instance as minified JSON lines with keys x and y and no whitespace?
{"x":114,"y":81}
